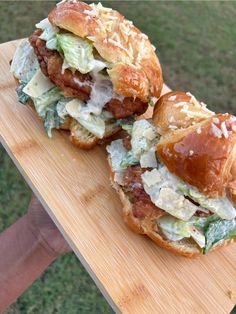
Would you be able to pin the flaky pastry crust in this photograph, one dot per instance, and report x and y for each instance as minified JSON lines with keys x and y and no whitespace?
{"x":200,"y":149}
{"x":176,"y":110}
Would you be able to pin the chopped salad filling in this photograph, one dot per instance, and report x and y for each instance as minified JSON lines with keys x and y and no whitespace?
{"x":178,"y":210}
{"x":54,"y":66}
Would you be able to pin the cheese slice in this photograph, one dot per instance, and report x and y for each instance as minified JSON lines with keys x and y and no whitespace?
{"x":148,"y":159}
{"x":174,"y":204}
{"x":38,"y":85}
{"x":95,"y":124}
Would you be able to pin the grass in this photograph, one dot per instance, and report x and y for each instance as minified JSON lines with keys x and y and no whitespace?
{"x":196,"y":46}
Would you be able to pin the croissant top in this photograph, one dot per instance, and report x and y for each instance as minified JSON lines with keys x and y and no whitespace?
{"x":134,"y":70}
{"x":197,"y":145}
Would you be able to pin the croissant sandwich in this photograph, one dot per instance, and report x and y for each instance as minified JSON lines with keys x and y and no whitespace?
{"x":176,"y":175}
{"x":85,"y":69}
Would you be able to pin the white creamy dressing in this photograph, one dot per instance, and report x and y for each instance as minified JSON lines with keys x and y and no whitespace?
{"x":161,"y":186}
{"x":101,"y":89}
{"x":168,"y":192}
{"x":143,"y":135}
{"x":48,"y":34}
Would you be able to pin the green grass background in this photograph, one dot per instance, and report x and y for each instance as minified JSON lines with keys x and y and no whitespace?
{"x":196,"y":46}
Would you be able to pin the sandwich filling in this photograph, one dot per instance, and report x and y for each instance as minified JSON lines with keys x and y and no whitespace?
{"x":65,"y":77}
{"x":177,"y":210}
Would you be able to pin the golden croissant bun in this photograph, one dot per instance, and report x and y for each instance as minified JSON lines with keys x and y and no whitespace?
{"x":232,"y":184}
{"x":176,"y":110}
{"x":197,"y":145}
{"x":135,"y":71}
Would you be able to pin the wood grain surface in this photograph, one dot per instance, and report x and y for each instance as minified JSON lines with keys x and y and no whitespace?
{"x":131,"y":271}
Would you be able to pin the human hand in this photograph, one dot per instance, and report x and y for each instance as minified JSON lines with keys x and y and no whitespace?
{"x":45,"y":230}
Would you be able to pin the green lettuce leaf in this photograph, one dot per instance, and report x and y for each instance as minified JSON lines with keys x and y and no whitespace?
{"x":51,"y":120}
{"x":24,"y":64}
{"x":78,"y":52}
{"x":203,"y":222}
{"x":52,"y":43}
{"x":126,"y":124}
{"x":117,"y":153}
{"x":220,"y":206}
{"x":95,"y":124}
{"x":49,"y":98}
{"x":23,"y":98}
{"x":219,"y":230}
{"x":144,"y":136}
{"x":43,"y":24}
{"x":48,"y":34}
{"x":61,"y":107}
{"x":107,"y":116}
{"x":148,"y":159}
{"x":174,"y":229}
{"x":161,"y":185}
{"x":128,"y":160}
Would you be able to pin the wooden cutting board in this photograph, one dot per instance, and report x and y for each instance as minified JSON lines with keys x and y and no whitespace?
{"x":131,"y":271}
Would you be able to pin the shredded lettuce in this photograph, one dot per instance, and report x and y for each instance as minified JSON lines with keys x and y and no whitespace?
{"x":43,"y":24}
{"x":78,"y":52}
{"x":52,"y":43}
{"x":218,"y":231}
{"x":117,"y":153}
{"x":203,"y":222}
{"x":55,"y":115}
{"x":23,"y":97}
{"x":48,"y":34}
{"x":44,"y":101}
{"x":149,"y":159}
{"x":161,"y":185}
{"x":127,"y":127}
{"x":61,"y":107}
{"x":207,"y":232}
{"x":174,"y":204}
{"x":127,"y":124}
{"x":220,"y":206}
{"x":144,"y":137}
{"x":24,"y":64}
{"x":174,"y":229}
{"x":107,"y":116}
{"x":95,"y":124}
{"x":51,"y":120}
{"x":128,"y":160}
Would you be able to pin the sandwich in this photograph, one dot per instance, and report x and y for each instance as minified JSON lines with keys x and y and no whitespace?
{"x":85,"y":69}
{"x":176,"y":175}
